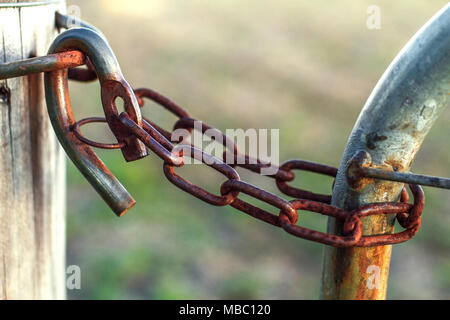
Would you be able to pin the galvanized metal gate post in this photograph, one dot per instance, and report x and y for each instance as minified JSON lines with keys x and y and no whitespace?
{"x":32,"y":164}
{"x":391,"y":128}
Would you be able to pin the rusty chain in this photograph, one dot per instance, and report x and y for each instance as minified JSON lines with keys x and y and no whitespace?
{"x":157,"y":139}
{"x":135,"y":133}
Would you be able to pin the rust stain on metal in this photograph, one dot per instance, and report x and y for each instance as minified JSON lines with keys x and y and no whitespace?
{"x":396,"y":165}
{"x":70,"y":59}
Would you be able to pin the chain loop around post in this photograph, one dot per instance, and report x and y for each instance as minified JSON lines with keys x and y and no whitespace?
{"x":402,"y":210}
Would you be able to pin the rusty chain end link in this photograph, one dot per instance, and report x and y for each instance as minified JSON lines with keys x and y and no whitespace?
{"x":111,"y":90}
{"x":134,"y":133}
{"x":113,"y":85}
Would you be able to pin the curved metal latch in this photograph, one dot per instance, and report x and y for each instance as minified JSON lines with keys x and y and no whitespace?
{"x":113,"y":86}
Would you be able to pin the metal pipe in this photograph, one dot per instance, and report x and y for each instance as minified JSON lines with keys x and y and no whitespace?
{"x":405,"y":177}
{"x":67,"y":22}
{"x":51,"y":62}
{"x":63,"y":21}
{"x":405,"y":103}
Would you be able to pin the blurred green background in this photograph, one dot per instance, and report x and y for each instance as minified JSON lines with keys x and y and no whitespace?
{"x":305,"y":67}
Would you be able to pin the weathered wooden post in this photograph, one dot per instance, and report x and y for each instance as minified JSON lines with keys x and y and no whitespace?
{"x":32,"y":164}
{"x":391,"y":128}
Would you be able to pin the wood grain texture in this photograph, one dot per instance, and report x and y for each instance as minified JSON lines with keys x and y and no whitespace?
{"x":32,"y":166}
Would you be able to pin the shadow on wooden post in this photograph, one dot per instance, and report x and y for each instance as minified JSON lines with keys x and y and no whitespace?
{"x":32,"y":164}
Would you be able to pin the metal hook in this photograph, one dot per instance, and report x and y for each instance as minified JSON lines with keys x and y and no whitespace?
{"x":67,"y":22}
{"x":113,"y":85}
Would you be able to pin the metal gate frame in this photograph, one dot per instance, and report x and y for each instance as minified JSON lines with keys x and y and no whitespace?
{"x":397,"y":116}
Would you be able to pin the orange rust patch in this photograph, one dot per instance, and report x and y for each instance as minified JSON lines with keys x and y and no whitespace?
{"x":395,"y":164}
{"x":70,"y":59}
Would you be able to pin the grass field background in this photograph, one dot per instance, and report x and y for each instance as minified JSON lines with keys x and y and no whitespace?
{"x":304,"y":67}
